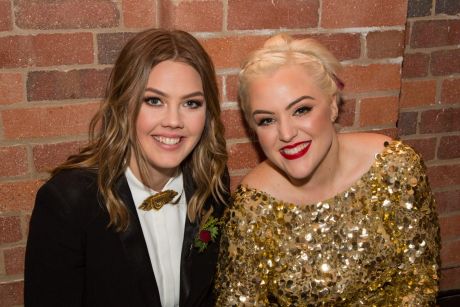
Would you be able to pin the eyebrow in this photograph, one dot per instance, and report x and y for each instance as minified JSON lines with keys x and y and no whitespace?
{"x":290,"y":105}
{"x":193,"y":94}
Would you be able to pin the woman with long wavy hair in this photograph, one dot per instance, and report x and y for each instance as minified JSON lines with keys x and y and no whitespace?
{"x":132,"y":219}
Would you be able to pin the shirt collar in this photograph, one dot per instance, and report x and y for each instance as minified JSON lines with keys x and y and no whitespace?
{"x":175,"y":183}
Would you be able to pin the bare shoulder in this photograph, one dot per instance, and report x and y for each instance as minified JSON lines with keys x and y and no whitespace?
{"x":263,"y":177}
{"x":364,"y":144}
{"x":358,"y":151}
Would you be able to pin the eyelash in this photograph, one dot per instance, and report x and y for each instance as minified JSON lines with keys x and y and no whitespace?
{"x":149,"y":101}
{"x":196,"y":104}
{"x":264,"y":121}
{"x":302,"y":110}
{"x":155,"y":101}
{"x":298,"y":112}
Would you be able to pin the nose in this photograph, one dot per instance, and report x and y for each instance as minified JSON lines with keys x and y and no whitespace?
{"x":172,"y":118}
{"x":286,"y":130}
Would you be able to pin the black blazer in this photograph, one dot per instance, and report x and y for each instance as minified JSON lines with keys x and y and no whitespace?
{"x":74,"y":259}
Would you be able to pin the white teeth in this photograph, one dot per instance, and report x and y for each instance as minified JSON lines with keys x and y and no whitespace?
{"x":167,"y":141}
{"x":293,"y":151}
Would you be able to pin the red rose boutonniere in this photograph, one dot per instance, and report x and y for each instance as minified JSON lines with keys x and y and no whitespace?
{"x":208,"y":233}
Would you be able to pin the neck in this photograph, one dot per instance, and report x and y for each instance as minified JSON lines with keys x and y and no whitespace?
{"x":157,"y":178}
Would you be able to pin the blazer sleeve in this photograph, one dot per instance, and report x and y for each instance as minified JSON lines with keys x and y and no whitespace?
{"x":55,"y":259}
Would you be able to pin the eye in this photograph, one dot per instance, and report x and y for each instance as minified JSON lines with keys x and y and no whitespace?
{"x":302,"y":110}
{"x":153,"y":101}
{"x":265,"y":121}
{"x":193,"y":104}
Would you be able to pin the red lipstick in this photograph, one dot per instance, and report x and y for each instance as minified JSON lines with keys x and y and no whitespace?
{"x":292,"y":156}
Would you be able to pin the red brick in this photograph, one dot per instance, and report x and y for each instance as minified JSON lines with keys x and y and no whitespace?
{"x":418,"y":93}
{"x":445,"y":62}
{"x":387,"y":44}
{"x":419,"y":8}
{"x":11,"y":88}
{"x":448,"y":201}
{"x":450,"y":279}
{"x":229,"y":52}
{"x":18,"y":195}
{"x":244,"y":156}
{"x":450,"y":226}
{"x":407,"y":123}
{"x":435,"y":33}
{"x":275,"y":14}
{"x":436,"y":121}
{"x":374,"y":77}
{"x":139,"y":13}
{"x":48,"y":156}
{"x":51,"y":121}
{"x":14,"y":161}
{"x":450,"y":253}
{"x":425,"y":147}
{"x":66,"y":14}
{"x":10,"y":229}
{"x":407,"y":34}
{"x":450,"y":91}
{"x":5,"y":15}
{"x":14,"y":260}
{"x":73,"y":84}
{"x":447,"y":7}
{"x":415,"y":65}
{"x":235,"y":125}
{"x":188,"y":15}
{"x":220,"y":80}
{"x":444,"y":175}
{"x":231,"y":88}
{"x":344,"y":46}
{"x":358,"y":13}
{"x":378,"y":111}
{"x":347,"y":113}
{"x":46,"y":50}
{"x":449,"y":147}
{"x":109,"y":45}
{"x":11,"y":293}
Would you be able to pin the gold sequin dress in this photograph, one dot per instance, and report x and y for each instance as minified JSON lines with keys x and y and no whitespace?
{"x":375,"y":244}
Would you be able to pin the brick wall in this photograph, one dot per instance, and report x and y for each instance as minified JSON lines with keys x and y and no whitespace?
{"x":430,"y":113}
{"x":55,"y":57}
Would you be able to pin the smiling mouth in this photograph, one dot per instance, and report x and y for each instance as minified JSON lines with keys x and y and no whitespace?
{"x":166,"y":140}
{"x":295,"y":151}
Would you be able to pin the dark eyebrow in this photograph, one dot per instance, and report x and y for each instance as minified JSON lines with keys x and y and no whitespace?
{"x":290,"y":105}
{"x":194,"y":94}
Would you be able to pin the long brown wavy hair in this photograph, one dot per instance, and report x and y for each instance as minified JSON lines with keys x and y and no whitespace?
{"x":112,"y":133}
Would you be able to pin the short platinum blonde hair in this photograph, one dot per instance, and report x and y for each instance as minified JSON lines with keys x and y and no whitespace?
{"x":281,"y":50}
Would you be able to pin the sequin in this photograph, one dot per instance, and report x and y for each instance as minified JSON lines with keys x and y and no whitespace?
{"x":375,"y":244}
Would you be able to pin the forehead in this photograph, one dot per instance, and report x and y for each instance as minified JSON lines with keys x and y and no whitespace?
{"x":174,"y":75}
{"x":286,"y":83}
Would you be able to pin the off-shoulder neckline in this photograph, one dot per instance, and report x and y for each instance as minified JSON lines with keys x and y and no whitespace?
{"x":388,"y":148}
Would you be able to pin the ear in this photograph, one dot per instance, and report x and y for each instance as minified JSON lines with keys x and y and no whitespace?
{"x":334,"y":108}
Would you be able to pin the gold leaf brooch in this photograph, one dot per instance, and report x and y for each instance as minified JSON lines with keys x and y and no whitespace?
{"x":158,"y":200}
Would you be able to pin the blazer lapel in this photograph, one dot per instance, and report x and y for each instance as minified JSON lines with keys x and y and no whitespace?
{"x":136,"y":251}
{"x":190,"y":231}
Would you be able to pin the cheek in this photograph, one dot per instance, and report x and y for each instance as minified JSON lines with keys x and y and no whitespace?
{"x":141,"y":123}
{"x":320,"y":122}
{"x":197,"y":122}
{"x":266,"y":137}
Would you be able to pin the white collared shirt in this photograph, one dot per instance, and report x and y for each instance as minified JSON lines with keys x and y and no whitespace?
{"x":164,"y":233}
